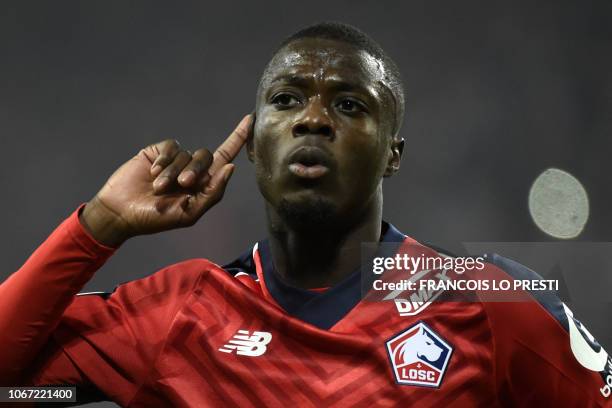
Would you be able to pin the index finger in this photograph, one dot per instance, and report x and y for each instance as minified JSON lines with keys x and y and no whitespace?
{"x":229,"y":149}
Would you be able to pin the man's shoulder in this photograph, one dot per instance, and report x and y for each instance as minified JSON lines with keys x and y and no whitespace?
{"x":548,"y":300}
{"x":172,"y":280}
{"x":521,"y":312}
{"x":541,"y":323}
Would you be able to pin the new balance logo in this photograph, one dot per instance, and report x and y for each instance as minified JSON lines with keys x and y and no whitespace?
{"x":246,"y":344}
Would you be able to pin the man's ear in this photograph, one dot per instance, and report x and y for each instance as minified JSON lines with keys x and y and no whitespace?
{"x":249,"y":143}
{"x":393,"y":165}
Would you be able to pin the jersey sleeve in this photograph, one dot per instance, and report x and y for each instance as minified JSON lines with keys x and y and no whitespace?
{"x":543,"y":355}
{"x":106,"y":344}
{"x":33,"y":299}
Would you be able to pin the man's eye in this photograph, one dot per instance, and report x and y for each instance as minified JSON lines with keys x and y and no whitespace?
{"x":285,"y":100}
{"x":351,"y":106}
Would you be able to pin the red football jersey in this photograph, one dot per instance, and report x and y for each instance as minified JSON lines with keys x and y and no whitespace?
{"x":198,"y":334}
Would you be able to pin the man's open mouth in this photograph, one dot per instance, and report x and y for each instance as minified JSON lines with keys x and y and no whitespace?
{"x":309,"y":162}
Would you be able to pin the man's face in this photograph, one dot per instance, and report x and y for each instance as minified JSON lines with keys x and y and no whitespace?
{"x":322,"y":136}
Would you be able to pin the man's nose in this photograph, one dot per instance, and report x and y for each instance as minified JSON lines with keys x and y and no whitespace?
{"x":314,"y":120}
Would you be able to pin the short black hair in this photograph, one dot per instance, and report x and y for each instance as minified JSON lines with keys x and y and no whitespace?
{"x":333,"y":30}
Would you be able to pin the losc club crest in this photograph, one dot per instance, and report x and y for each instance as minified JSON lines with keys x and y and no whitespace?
{"x":419,"y":356}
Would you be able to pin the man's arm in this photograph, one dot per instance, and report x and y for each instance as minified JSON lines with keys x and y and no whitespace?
{"x":33,"y":299}
{"x":163,"y":187}
{"x":106,"y":344}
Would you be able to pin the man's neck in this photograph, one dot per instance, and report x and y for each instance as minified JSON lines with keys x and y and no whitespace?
{"x":324,"y":255}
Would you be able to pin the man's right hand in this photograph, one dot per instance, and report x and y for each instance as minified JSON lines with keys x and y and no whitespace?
{"x":161,"y":188}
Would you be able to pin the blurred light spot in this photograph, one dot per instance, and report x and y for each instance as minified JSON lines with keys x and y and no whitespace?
{"x":559,"y":204}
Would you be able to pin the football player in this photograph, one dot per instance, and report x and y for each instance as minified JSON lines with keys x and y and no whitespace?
{"x":285,"y":324}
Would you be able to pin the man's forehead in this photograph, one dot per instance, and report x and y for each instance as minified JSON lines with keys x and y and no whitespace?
{"x":332,"y":59}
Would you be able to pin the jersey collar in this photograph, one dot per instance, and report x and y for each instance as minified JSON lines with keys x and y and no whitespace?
{"x":321,"y":309}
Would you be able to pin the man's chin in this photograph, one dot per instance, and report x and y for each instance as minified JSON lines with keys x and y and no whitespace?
{"x":307,"y":211}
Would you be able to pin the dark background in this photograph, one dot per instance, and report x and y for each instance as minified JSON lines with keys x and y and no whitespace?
{"x":495,"y":93}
